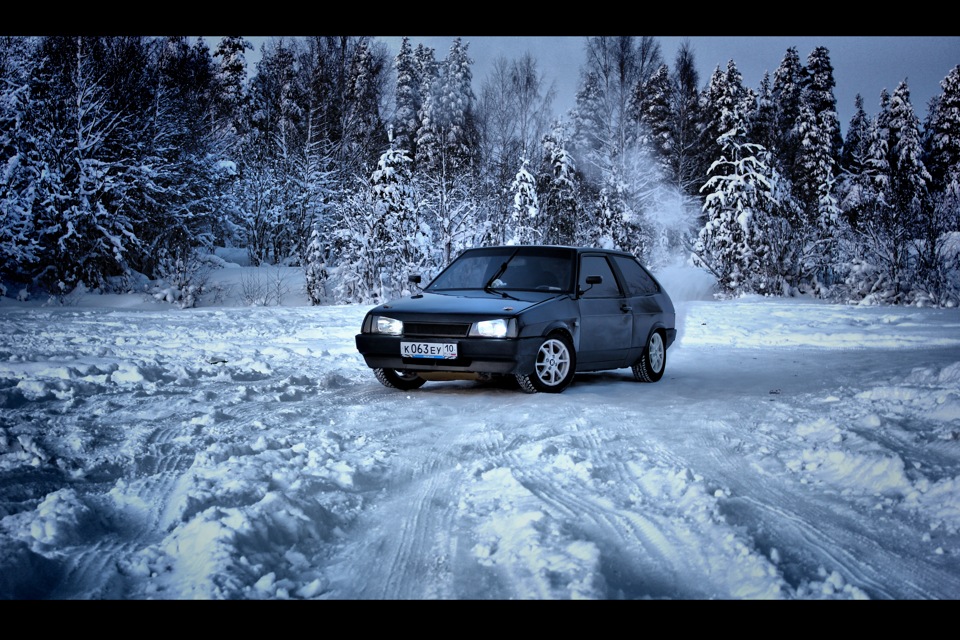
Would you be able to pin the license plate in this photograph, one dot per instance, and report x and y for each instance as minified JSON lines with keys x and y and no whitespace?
{"x":433,"y":350}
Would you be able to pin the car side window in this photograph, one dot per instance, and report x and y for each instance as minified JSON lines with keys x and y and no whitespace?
{"x":636,"y":278}
{"x":598,"y":266}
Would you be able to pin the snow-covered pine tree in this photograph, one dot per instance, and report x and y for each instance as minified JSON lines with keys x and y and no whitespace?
{"x":942,"y":159}
{"x":653,"y":109}
{"x":356,"y":234}
{"x":364,"y":133}
{"x":447,"y":147}
{"x":788,"y":80}
{"x":733,"y":244}
{"x":315,"y":267}
{"x":525,"y":215}
{"x":404,"y":243}
{"x":942,"y":134}
{"x":609,"y":219}
{"x":19,"y":247}
{"x":723,"y":105}
{"x":558,"y":186}
{"x":87,"y":117}
{"x":268,"y":193}
{"x":230,"y":91}
{"x":909,"y":185}
{"x":818,"y":134}
{"x":408,"y":99}
{"x":879,"y":273}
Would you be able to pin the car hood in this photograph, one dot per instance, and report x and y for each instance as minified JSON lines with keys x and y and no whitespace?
{"x":463,"y":302}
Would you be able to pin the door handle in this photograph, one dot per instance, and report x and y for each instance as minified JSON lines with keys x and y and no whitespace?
{"x":626,"y":308}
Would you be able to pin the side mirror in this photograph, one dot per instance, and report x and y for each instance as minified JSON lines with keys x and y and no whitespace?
{"x":414,"y":278}
{"x":591,"y":280}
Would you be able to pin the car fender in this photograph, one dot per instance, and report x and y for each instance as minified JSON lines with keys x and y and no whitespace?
{"x":571,"y":327}
{"x":668,"y":335}
{"x":558,"y":313}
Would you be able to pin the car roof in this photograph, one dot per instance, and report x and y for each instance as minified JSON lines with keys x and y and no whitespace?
{"x":578,"y":249}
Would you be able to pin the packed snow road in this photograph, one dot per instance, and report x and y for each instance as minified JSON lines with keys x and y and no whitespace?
{"x":793,"y":450}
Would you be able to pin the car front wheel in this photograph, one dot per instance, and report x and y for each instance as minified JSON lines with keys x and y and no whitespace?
{"x":399,"y":379}
{"x":653,"y":361}
{"x":555,"y":366}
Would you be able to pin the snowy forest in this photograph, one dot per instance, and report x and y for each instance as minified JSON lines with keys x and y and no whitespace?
{"x":127,"y":160}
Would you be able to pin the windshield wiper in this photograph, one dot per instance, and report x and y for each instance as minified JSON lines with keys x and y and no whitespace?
{"x":489,"y":288}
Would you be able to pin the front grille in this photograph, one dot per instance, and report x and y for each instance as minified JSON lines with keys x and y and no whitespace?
{"x":436,"y":329}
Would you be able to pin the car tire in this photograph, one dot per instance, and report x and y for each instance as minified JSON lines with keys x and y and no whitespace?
{"x":653,"y":361}
{"x":399,"y":379}
{"x":554,"y":368}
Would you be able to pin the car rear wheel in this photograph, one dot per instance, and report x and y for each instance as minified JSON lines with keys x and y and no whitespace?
{"x":650,"y":366}
{"x":555,"y":366}
{"x":399,"y":379}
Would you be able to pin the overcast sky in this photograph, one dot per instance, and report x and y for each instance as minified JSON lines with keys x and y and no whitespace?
{"x":861,"y":64}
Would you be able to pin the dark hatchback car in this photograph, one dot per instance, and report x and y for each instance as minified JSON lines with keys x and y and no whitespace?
{"x":538,"y":313}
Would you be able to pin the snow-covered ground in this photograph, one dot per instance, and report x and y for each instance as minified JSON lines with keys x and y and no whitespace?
{"x":793,"y":450}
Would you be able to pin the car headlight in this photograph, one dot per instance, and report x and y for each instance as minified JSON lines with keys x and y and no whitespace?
{"x":499,"y":328}
{"x":386,"y":325}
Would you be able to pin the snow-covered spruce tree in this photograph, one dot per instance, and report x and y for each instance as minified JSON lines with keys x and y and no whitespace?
{"x":19,"y":249}
{"x":788,"y":81}
{"x":666,"y":173}
{"x":176,"y":201}
{"x":940,"y":281}
{"x":364,"y":132}
{"x":853,"y":179}
{"x":942,"y":134}
{"x":447,"y":140}
{"x":942,"y":159}
{"x":667,"y":109}
{"x":685,"y":169}
{"x":447,"y":154}
{"x":229,"y":125}
{"x":408,"y":99}
{"x":609,"y":228}
{"x":406,"y":240}
{"x":270,"y":193}
{"x":558,"y":186}
{"x":652,"y":107}
{"x":883,"y":270}
{"x":816,"y":227}
{"x":723,"y":105}
{"x":315,"y":272}
{"x":817,"y":93}
{"x":733,"y":243}
{"x":356,"y":235}
{"x":88,"y":100}
{"x":817,"y":157}
{"x":525,"y":216}
{"x":230,"y":97}
{"x":909,"y":186}
{"x":321,"y":190}
{"x":761,"y":120}
{"x":380,"y":236}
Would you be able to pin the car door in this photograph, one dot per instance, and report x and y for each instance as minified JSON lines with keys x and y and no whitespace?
{"x":641,"y":296}
{"x":606,"y":325}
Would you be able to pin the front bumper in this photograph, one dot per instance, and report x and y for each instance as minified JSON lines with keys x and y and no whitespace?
{"x":474,"y":355}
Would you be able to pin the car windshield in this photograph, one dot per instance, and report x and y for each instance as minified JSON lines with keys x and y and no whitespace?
{"x":509,"y":268}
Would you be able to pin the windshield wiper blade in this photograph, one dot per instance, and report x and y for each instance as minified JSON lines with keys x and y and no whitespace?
{"x":489,"y":286}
